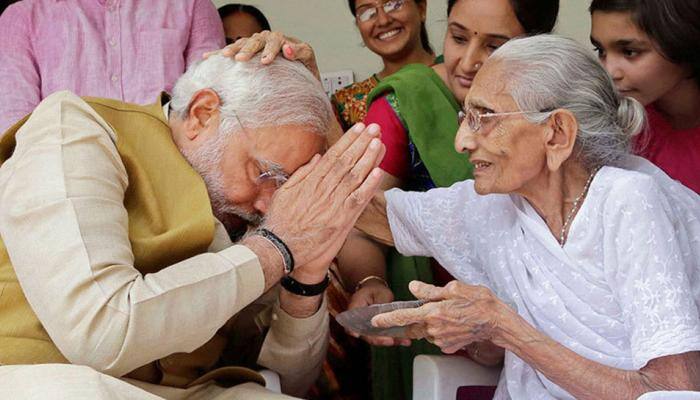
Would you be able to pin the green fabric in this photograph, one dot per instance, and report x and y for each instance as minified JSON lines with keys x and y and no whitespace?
{"x":429,"y":111}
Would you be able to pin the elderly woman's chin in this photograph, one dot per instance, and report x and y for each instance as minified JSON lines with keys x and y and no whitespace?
{"x":489,"y":181}
{"x":484,"y":184}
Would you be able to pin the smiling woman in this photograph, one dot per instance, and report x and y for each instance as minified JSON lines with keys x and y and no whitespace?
{"x":395,"y":31}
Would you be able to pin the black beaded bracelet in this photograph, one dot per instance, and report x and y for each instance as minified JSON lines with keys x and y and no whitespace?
{"x":293,"y":286}
{"x":284,"y":251}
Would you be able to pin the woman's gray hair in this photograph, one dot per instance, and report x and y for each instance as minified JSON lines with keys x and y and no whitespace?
{"x":256,"y":95}
{"x":548,"y":72}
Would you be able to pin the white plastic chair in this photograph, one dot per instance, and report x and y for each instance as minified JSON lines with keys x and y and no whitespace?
{"x":272,"y":380}
{"x":439,"y":377}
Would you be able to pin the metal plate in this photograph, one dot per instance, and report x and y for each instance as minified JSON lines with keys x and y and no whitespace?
{"x":360,"y":319}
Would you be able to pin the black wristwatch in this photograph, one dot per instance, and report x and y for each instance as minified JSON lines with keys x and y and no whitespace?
{"x":293,"y":286}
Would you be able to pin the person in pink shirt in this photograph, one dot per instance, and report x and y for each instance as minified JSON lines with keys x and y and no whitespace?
{"x":651,"y":48}
{"x":129,"y":50}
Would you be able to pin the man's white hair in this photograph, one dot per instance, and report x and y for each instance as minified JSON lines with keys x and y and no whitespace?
{"x":281,"y":93}
{"x":547,"y":72}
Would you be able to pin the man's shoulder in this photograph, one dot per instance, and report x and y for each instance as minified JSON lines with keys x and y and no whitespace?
{"x":154,"y":109}
{"x":61,"y":100}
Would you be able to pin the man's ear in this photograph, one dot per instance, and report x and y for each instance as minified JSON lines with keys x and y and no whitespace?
{"x":562,"y":129}
{"x":204,"y":106}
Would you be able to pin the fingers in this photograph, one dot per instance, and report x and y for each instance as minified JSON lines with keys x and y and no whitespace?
{"x":360,"y":198}
{"x":360,"y":171}
{"x":453,"y":290}
{"x":300,"y":174}
{"x":210,"y":53}
{"x":303,"y":53}
{"x":417,"y":331}
{"x":233,"y":49}
{"x":385,"y":341}
{"x":251,"y":47}
{"x":424,"y":291}
{"x":273,"y":46}
{"x":340,"y":149}
{"x":352,"y":166}
{"x":402,"y":317}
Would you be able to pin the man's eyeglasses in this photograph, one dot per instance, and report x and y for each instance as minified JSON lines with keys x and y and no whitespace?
{"x":370,"y":12}
{"x":271,"y":173}
{"x":475,"y":119}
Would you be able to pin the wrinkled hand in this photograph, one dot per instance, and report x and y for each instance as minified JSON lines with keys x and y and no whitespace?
{"x":455,"y":315}
{"x":271,"y":44}
{"x":371,"y":293}
{"x":314,"y":211}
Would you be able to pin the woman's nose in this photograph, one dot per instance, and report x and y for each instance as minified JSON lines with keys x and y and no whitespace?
{"x":472,"y":59}
{"x":465,"y":139}
{"x":612,"y":65}
{"x":383,"y":18}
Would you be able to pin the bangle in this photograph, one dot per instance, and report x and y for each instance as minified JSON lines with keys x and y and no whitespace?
{"x":369,"y":278}
{"x":281,"y":247}
{"x":293,"y":286}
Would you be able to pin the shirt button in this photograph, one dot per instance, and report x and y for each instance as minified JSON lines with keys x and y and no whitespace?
{"x":112,"y":42}
{"x":114,"y":78}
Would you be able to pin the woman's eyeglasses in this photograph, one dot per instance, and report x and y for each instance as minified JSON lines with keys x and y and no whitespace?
{"x":475,"y":119}
{"x":370,"y":12}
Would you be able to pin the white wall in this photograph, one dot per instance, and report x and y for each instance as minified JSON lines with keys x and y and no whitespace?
{"x":330,"y":28}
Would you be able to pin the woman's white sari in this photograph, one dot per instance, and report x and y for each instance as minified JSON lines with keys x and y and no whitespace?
{"x":625,"y":288}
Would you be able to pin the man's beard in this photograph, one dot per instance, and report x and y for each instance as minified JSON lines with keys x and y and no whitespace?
{"x":206,"y":160}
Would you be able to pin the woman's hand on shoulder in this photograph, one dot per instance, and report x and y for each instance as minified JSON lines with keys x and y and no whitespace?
{"x":271,"y":44}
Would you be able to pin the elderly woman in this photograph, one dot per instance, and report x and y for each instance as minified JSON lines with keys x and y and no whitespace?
{"x":579,"y":260}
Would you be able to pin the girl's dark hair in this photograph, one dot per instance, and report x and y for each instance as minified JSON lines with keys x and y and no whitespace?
{"x":536,"y":16}
{"x":672,"y":24}
{"x":228,"y":9}
{"x":424,"y":39}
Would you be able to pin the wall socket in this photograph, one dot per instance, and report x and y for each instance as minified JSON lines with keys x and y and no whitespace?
{"x":332,"y":81}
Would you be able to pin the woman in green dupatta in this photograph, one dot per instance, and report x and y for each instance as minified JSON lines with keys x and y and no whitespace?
{"x":417,"y":109}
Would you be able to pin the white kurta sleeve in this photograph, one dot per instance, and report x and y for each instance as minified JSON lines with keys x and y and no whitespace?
{"x":65,"y":227}
{"x":647,"y":266}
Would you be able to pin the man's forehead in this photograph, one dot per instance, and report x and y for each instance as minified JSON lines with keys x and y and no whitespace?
{"x":287,"y":147}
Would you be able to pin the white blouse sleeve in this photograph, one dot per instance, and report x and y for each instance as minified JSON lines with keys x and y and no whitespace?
{"x":441,"y":223}
{"x":648,"y":267}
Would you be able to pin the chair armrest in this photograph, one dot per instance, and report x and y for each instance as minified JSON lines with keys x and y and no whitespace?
{"x":272,"y":380}
{"x":439,"y":377}
{"x":670,"y":396}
